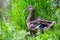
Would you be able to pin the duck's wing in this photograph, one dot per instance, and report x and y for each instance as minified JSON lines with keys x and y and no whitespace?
{"x":45,"y":26}
{"x":42,"y":21}
{"x":49,"y":25}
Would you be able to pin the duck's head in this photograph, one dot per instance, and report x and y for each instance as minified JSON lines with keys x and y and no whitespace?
{"x":29,"y":8}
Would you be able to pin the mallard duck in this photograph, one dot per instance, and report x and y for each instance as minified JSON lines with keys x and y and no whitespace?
{"x":34,"y":23}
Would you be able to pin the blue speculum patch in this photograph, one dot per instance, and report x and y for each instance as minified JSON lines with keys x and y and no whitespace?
{"x":42,"y":26}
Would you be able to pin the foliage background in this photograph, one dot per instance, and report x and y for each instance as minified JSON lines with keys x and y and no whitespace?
{"x":14,"y":27}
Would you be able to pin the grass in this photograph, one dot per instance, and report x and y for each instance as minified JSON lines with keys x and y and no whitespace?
{"x":15,"y":27}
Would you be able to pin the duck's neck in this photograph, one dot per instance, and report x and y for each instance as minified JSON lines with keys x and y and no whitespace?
{"x":31,"y":16}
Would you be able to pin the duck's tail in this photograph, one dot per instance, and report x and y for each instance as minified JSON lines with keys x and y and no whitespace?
{"x":50,"y":26}
{"x":52,"y":23}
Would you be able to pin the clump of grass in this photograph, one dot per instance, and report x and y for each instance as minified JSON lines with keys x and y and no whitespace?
{"x":17,"y":20}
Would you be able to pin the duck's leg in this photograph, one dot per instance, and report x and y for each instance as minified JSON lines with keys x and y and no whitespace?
{"x":33,"y":32}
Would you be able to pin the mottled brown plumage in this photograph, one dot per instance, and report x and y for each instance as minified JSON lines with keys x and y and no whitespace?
{"x":33,"y":22}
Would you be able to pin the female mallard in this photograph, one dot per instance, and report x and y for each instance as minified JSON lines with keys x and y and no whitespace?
{"x":34,"y":23}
